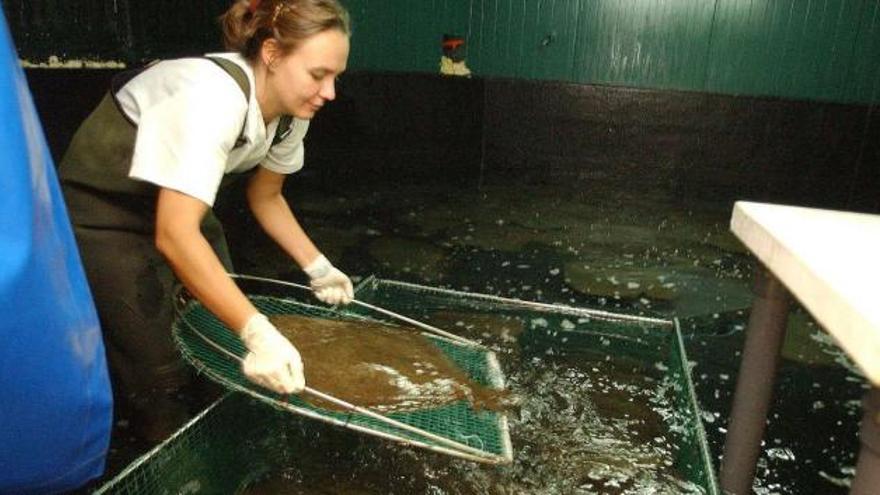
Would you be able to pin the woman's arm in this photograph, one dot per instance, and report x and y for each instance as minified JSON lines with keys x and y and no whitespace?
{"x":274,"y":215}
{"x":272,"y":361}
{"x":179,"y":238}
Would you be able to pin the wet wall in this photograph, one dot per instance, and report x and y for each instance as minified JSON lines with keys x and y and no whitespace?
{"x":690,"y":145}
{"x":770,"y":100}
{"x":473,"y":133}
{"x":128,"y":31}
{"x":826,"y":50}
{"x":819,"y":49}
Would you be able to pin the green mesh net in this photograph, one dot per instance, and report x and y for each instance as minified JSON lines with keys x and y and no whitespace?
{"x":238,"y":441}
{"x":591,"y":333}
{"x":230,"y":444}
{"x":455,"y":429}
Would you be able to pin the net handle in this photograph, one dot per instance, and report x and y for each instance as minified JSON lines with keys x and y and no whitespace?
{"x":360,"y":410}
{"x":397,"y":424}
{"x":406,"y":319}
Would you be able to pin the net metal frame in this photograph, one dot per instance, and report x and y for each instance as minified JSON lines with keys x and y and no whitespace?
{"x":239,"y":439}
{"x":501,"y":303}
{"x":480,"y":436}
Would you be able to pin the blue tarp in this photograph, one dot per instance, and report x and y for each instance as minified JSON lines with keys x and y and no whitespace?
{"x":55,"y":399}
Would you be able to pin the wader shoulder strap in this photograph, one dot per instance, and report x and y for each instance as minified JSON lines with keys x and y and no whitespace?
{"x":234,"y":71}
{"x":284,"y":128}
{"x":121,"y":79}
{"x":238,"y":74}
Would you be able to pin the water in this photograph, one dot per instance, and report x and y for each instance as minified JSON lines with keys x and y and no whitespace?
{"x":590,"y":247}
{"x":637,"y":253}
{"x":588,"y":422}
{"x":644,"y":255}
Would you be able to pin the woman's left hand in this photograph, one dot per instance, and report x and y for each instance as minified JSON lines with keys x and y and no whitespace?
{"x":328,"y":283}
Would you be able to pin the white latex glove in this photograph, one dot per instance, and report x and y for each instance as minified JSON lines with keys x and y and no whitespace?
{"x":272,"y":362}
{"x":328,"y":283}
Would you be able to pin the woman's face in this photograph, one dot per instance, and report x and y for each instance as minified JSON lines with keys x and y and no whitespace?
{"x":304,"y":79}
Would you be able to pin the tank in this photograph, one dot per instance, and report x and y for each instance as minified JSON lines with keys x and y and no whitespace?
{"x":561,"y":443}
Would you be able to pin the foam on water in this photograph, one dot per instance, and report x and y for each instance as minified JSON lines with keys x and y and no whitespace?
{"x":585,"y":424}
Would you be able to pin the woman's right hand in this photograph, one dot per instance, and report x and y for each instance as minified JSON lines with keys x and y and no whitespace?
{"x":328,"y":283}
{"x":273,"y":362}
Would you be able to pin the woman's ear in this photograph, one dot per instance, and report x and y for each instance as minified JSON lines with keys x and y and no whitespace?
{"x":270,"y":52}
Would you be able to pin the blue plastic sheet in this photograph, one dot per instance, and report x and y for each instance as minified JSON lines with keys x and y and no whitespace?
{"x":55,"y":398}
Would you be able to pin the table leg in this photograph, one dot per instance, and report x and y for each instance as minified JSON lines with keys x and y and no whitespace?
{"x":754,"y":386}
{"x":867,"y":480}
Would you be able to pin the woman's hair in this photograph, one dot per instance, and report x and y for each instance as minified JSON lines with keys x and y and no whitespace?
{"x":248,"y":23}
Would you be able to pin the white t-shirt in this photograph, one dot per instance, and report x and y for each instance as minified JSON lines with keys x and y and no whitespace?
{"x":189,"y":114}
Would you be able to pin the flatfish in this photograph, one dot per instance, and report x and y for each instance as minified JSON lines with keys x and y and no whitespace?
{"x":381,"y":367}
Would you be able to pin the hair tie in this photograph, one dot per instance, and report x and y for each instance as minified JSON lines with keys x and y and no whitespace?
{"x":254,"y":5}
{"x":278,"y":9}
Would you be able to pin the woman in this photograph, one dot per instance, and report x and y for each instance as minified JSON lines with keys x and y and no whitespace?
{"x":141,"y":175}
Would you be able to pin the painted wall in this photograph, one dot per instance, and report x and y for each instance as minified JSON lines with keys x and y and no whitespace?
{"x":813,"y":49}
{"x":806,"y":49}
{"x":569,"y":138}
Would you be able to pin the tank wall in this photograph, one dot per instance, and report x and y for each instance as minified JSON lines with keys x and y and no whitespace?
{"x":472,"y":133}
{"x":821,"y":50}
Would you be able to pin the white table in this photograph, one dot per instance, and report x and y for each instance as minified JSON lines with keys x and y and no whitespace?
{"x":830,"y":261}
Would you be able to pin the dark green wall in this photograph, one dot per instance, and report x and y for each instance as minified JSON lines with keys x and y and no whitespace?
{"x":812,"y":49}
{"x":806,"y":49}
